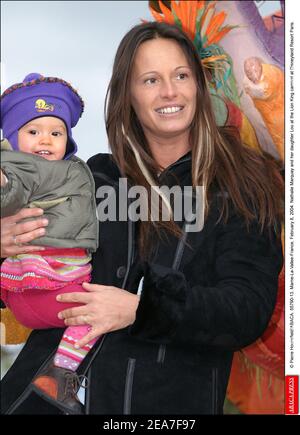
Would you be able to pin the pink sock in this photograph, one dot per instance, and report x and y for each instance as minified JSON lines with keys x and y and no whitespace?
{"x":67,"y":356}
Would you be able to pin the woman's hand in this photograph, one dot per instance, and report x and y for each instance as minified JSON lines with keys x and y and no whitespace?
{"x":3,"y":179}
{"x":105,"y":309}
{"x":15,"y":234}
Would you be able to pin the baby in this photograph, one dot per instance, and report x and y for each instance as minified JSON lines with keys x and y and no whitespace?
{"x":39,"y":169}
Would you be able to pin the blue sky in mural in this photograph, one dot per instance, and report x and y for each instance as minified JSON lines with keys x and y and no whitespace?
{"x":267,"y":7}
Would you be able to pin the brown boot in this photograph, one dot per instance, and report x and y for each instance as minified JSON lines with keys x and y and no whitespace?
{"x":59,"y":386}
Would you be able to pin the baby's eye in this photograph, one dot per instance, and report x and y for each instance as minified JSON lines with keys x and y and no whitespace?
{"x":150,"y":81}
{"x":56,"y":133}
{"x":33,"y":132}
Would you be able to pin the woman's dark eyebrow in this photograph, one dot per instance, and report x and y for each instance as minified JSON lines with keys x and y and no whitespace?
{"x":156,"y":72}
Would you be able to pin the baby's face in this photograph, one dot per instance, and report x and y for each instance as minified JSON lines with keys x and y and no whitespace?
{"x":46,"y":137}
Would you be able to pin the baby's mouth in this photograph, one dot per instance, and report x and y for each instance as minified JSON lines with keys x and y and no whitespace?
{"x":43,"y":153}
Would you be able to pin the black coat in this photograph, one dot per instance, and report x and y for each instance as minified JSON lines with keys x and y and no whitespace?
{"x":204,"y":296}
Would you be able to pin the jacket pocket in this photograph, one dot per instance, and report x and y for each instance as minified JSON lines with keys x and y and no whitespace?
{"x":164,"y":387}
{"x":128,"y":386}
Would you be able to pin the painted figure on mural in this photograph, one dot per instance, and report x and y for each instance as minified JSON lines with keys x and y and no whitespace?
{"x":265,"y":85}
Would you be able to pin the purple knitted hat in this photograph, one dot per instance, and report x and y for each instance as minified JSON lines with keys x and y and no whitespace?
{"x":39,"y":96}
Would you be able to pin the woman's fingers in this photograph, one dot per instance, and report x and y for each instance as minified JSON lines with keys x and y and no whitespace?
{"x":74,"y":297}
{"x":87,"y":338}
{"x":12,"y":244}
{"x":95,"y":287}
{"x":25,"y":213}
{"x":76,"y":321}
{"x":74,"y":312}
{"x":23,"y":238}
{"x":15,"y":233}
{"x":105,"y":308}
{"x":30,"y":230}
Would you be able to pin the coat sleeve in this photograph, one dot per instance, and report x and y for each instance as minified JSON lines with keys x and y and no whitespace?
{"x":33,"y":179}
{"x":23,"y":180}
{"x":231,"y":314}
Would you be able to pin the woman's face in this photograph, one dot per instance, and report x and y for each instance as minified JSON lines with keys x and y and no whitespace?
{"x":163,"y":89}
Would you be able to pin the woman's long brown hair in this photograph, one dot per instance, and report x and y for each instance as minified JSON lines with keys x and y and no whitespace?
{"x":249,"y":179}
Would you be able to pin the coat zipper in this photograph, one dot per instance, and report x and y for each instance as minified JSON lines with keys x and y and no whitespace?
{"x":175,"y":266}
{"x":214,"y":390}
{"x":128,"y":386}
{"x":179,"y":251}
{"x":87,"y":399}
{"x":161,"y":354}
{"x":130,"y":250}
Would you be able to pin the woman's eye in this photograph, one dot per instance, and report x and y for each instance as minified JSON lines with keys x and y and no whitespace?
{"x":150,"y":81}
{"x":182,"y":76}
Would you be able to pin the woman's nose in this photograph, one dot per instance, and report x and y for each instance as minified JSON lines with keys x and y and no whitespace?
{"x":168,"y":89}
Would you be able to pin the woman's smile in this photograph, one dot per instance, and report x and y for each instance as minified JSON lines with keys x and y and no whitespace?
{"x":170,"y":110}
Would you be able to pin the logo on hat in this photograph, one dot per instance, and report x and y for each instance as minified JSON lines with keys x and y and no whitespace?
{"x":42,"y":106}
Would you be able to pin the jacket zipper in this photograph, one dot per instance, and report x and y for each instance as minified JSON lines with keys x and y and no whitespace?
{"x":130,"y":250}
{"x":214,"y":390}
{"x":128,"y":386}
{"x":161,"y":354}
{"x":179,"y":251}
{"x":175,"y":266}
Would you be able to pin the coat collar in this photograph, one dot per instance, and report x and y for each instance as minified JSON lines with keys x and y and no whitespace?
{"x":104,"y":167}
{"x":181,"y":170}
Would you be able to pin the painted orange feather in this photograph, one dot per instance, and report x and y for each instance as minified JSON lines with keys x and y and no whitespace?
{"x":215,"y":23}
{"x":156,"y":16}
{"x":176,"y":8}
{"x":219,"y":36}
{"x":167,"y":13}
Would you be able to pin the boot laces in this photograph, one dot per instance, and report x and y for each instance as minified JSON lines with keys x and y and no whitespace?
{"x":74,"y":382}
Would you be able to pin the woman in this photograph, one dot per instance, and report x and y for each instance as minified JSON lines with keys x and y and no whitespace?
{"x":205,"y":293}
